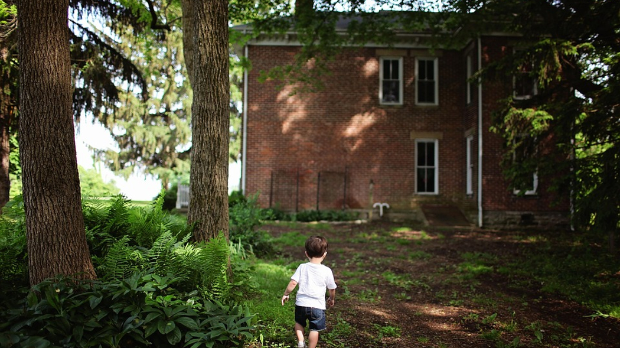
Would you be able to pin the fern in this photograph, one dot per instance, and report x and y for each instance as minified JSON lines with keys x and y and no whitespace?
{"x":121,"y":261}
{"x":217,"y":256}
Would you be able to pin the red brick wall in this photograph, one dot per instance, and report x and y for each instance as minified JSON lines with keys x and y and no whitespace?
{"x":497,"y":196}
{"x":343,"y":133}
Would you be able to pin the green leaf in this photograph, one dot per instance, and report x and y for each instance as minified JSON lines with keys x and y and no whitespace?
{"x":177,"y":309}
{"x":94,"y":301}
{"x":151,"y":316}
{"x":36,"y":342}
{"x":78,"y":332}
{"x":165,"y":327}
{"x":187,"y":322}
{"x":8,"y":339}
{"x":174,"y":336}
{"x":150,"y":329}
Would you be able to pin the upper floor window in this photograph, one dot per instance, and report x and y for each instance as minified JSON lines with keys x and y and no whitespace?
{"x":525,"y":85}
{"x":426,"y":81}
{"x":391,"y":76}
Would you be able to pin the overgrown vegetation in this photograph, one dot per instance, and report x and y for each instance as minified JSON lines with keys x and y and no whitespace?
{"x":154,"y":286}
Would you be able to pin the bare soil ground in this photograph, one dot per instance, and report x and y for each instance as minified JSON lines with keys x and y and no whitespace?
{"x":431,"y":287}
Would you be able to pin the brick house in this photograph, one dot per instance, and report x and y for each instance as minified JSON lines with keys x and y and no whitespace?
{"x":398,"y":125}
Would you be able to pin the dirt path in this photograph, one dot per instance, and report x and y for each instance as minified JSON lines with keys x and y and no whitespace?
{"x":406,"y":287}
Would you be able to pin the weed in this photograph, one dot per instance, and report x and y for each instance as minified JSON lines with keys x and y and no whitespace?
{"x":368,"y":295}
{"x":493,"y":335}
{"x":490,"y":319}
{"x":537,"y":330}
{"x":419,"y":255}
{"x":403,"y":242}
{"x":399,"y":280}
{"x":387,"y":331}
{"x":402,"y":296}
{"x":423,"y":339}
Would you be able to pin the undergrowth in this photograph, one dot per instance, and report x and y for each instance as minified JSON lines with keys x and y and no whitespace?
{"x":154,"y":286}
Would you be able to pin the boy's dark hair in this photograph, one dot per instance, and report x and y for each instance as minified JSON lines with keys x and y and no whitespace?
{"x":316,"y":246}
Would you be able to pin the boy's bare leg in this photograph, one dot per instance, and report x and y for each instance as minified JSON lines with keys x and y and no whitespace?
{"x":299,"y":332}
{"x":313,"y":339}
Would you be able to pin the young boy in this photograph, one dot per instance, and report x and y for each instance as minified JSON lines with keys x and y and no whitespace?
{"x":313,"y":278}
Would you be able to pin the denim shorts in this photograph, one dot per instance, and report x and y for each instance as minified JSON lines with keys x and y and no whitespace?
{"x":315,"y":316}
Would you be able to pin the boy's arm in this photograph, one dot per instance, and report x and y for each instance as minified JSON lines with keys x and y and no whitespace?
{"x":291,"y":286}
{"x":332,"y":297}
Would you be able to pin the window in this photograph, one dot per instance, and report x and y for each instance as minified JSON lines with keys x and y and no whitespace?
{"x":391,"y":76}
{"x":525,"y":183}
{"x":426,"y":81}
{"x":469,"y":170}
{"x":524,"y":84}
{"x":426,"y":166}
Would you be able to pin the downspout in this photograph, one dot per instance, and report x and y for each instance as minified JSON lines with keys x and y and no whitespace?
{"x":244,"y":146}
{"x":479,"y":134}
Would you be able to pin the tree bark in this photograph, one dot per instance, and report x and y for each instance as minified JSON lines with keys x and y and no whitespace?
{"x":205,"y":31}
{"x":51,"y":187}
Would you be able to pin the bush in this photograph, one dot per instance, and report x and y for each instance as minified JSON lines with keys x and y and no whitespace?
{"x":140,"y":310}
{"x":319,"y":215}
{"x":245,"y":217}
{"x":13,"y":251}
{"x":235,"y":198}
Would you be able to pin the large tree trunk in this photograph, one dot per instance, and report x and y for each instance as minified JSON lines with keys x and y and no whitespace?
{"x":205,"y":31}
{"x":51,"y":187}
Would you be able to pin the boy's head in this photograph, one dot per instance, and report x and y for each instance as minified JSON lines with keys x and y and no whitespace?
{"x":316,"y":246}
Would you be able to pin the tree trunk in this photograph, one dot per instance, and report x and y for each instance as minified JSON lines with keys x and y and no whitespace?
{"x":205,"y":32}
{"x":51,"y":187}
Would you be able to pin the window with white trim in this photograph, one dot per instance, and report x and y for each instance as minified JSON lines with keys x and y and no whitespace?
{"x":426,"y":81}
{"x":391,"y":81}
{"x":469,"y":169}
{"x":525,"y":84}
{"x":426,"y":169}
{"x":524,"y":148}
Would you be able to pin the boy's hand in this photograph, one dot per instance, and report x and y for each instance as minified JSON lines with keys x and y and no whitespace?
{"x":284,"y":299}
{"x":331,"y":302}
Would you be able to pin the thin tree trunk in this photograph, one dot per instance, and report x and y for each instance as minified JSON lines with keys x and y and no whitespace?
{"x":205,"y":31}
{"x":6,"y":112}
{"x":51,"y":187}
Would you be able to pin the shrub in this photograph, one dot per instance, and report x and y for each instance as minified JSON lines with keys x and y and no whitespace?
{"x":245,"y":217}
{"x":13,"y":251}
{"x":323,"y":215}
{"x":140,"y":310}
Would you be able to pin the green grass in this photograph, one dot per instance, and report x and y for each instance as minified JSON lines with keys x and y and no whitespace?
{"x":274,"y":321}
{"x":292,"y":239}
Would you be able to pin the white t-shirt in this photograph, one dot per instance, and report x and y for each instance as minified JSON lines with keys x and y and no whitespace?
{"x":313,"y":279}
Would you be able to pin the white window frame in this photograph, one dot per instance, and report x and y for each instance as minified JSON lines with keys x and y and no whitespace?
{"x":436,"y":80}
{"x":435,"y":167}
{"x":534,"y":190}
{"x":518,"y":74}
{"x":469,"y":169}
{"x":399,"y":101}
